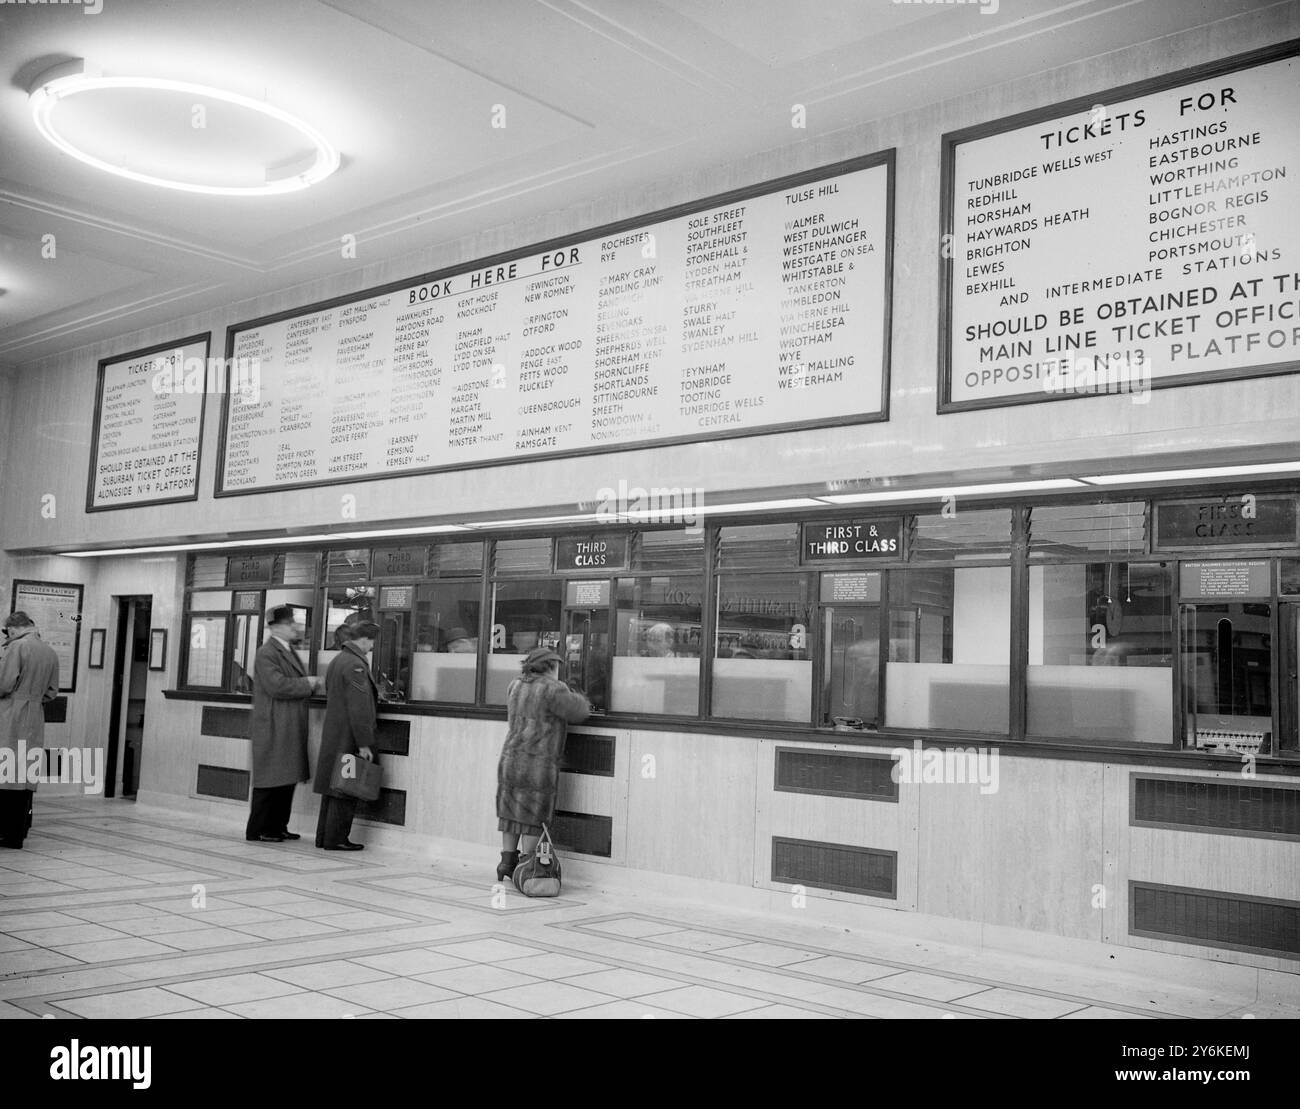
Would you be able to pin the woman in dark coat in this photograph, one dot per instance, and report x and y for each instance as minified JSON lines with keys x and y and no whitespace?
{"x":539,"y":709}
{"x":351,"y":708}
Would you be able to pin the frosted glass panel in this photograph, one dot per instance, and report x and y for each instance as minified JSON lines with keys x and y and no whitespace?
{"x":762,"y":688}
{"x":207,"y":647}
{"x":669,"y":685}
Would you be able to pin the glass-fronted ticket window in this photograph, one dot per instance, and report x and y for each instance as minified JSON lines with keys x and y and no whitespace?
{"x":226,"y":600}
{"x":658,"y":625}
{"x":763,"y":626}
{"x":527,"y":602}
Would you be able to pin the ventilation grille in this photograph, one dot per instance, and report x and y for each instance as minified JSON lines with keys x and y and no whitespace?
{"x":207,"y":572}
{"x":588,"y":754}
{"x":222,"y":781}
{"x":966,"y":534}
{"x":456,"y":560}
{"x":388,"y":808}
{"x":835,"y":866}
{"x":583,"y":833}
{"x":231,"y":723}
{"x":669,"y":550}
{"x":1215,"y":919}
{"x":1217,"y":806}
{"x":866,"y":777}
{"x":295,"y":568}
{"x":517,"y":555}
{"x":393,"y":737}
{"x":759,"y":546}
{"x":1079,"y":529}
{"x":347,"y":566}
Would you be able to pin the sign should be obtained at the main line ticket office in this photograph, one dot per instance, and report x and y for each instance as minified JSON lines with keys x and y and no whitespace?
{"x":148,"y":426}
{"x":1124,"y":241}
{"x":761,"y":310}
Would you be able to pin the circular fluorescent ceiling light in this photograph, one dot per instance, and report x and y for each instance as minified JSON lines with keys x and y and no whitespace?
{"x":179,"y":135}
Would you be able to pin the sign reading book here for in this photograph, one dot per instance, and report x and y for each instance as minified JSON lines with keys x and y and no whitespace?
{"x":149,"y":422}
{"x":763,"y":312}
{"x":1145,"y":240}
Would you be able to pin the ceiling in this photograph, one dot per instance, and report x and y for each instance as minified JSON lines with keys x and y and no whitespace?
{"x":599,"y":96}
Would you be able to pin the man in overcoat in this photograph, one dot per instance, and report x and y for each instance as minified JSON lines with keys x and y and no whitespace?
{"x":29,"y":676}
{"x":351,"y":711}
{"x":278,"y":727}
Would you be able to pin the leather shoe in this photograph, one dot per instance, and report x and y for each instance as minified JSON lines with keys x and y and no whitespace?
{"x":290,"y":835}
{"x":265,"y":839}
{"x":346,"y":845}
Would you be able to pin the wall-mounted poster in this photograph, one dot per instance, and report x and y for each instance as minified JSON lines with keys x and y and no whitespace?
{"x":1129,"y":240}
{"x":762,"y":310}
{"x":149,"y":426}
{"x":55,"y":609}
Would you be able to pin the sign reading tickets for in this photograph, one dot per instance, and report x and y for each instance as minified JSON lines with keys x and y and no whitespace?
{"x":148,"y":426}
{"x":55,"y":609}
{"x":765,"y":310}
{"x":1128,"y":240}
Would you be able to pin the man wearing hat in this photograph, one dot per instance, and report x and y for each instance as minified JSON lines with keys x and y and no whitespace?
{"x":29,"y":676}
{"x":350,"y":717}
{"x":278,"y":727}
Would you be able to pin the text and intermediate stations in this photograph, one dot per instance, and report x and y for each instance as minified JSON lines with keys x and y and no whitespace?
{"x":1149,"y":241}
{"x":149,"y":436}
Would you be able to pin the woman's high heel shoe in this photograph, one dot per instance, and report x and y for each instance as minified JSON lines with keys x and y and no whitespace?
{"x":506,"y":867}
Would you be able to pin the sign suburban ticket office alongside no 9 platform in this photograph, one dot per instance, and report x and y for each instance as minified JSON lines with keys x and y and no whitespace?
{"x":760,"y":310}
{"x":1125,"y":240}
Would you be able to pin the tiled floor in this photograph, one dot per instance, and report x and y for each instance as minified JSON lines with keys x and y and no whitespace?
{"x":112,"y":911}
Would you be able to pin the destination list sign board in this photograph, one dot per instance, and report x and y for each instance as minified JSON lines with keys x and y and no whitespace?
{"x":148,"y":427}
{"x":1130,"y":243}
{"x":765,"y":312}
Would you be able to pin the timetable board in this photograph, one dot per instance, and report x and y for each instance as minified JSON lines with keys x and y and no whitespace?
{"x":55,"y":609}
{"x":148,"y":426}
{"x":762,"y":310}
{"x":1126,"y":241}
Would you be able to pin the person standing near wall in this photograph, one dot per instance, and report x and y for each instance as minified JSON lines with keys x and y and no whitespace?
{"x":539,"y":709}
{"x":29,"y":676}
{"x":351,"y":712}
{"x":278,"y":728}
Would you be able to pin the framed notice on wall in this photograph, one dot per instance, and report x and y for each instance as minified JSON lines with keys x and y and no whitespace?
{"x":148,"y":426}
{"x":761,"y":310}
{"x":1133,"y":239}
{"x":55,"y":609}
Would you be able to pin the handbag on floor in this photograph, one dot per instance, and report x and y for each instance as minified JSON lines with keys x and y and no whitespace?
{"x":357,"y":777}
{"x":539,"y":874}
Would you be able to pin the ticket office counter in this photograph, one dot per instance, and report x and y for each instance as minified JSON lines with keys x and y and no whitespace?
{"x":1037,"y":624}
{"x":1142,"y":704}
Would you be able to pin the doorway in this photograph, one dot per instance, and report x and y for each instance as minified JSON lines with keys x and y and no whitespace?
{"x":127,"y":707}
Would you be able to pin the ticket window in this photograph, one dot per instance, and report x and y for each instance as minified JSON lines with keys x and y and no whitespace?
{"x":526,"y":613}
{"x":585,"y":648}
{"x":852,"y":676}
{"x":392,"y":655}
{"x":1228,"y":675}
{"x":1289,"y":678}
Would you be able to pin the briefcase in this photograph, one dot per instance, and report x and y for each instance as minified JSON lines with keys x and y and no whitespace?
{"x":357,"y":777}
